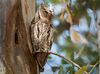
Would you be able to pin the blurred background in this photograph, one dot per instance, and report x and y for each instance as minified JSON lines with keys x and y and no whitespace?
{"x":75,"y":37}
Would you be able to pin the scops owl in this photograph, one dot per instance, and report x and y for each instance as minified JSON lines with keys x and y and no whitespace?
{"x":42,"y":34}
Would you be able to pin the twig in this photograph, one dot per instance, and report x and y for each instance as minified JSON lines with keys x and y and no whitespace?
{"x":93,"y":67}
{"x":66,"y":59}
{"x":80,"y":52}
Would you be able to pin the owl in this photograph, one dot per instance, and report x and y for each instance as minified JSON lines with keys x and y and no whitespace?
{"x":42,"y":34}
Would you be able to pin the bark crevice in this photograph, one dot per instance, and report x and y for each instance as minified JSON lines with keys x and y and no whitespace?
{"x":17,"y":57}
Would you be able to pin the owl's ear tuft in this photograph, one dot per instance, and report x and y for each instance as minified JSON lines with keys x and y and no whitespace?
{"x":42,"y":6}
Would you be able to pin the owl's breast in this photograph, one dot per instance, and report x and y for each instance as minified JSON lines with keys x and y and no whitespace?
{"x":40,"y":31}
{"x":42,"y":35}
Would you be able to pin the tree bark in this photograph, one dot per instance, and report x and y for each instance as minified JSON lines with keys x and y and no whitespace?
{"x":15,"y":47}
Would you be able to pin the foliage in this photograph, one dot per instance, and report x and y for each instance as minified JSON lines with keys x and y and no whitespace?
{"x":72,"y":14}
{"x":82,"y":70}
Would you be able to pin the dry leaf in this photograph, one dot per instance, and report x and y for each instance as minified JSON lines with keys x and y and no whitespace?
{"x":69,"y":17}
{"x":76,"y":37}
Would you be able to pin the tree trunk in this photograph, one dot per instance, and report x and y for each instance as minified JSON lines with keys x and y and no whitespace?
{"x":15,"y":47}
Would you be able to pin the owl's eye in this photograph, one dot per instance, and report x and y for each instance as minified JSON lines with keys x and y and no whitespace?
{"x":45,"y":12}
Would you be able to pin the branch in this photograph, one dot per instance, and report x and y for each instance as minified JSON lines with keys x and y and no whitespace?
{"x":66,"y":59}
{"x":93,"y":67}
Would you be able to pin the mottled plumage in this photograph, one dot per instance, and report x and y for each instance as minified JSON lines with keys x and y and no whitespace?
{"x":42,"y":34}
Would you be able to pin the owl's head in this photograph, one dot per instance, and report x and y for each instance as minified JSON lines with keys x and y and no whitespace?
{"x":45,"y":14}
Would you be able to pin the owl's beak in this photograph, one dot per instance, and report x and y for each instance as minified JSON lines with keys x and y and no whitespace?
{"x":51,"y":8}
{"x":51,"y":12}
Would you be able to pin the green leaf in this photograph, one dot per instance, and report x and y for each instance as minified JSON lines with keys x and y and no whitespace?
{"x":82,"y":70}
{"x":61,"y":70}
{"x":49,"y":57}
{"x":53,"y":1}
{"x":63,"y":61}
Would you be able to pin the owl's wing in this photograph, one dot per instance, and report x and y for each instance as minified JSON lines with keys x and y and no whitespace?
{"x":33,"y":21}
{"x":32,"y":33}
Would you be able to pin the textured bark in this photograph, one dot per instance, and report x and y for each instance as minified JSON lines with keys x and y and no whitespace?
{"x":15,"y":46}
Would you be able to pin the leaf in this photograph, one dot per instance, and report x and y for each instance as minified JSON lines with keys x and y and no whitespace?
{"x":62,"y":15}
{"x":82,"y":70}
{"x":69,"y":18}
{"x":49,"y":57}
{"x":53,"y":1}
{"x":61,"y":70}
{"x":76,"y":37}
{"x":63,"y":61}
